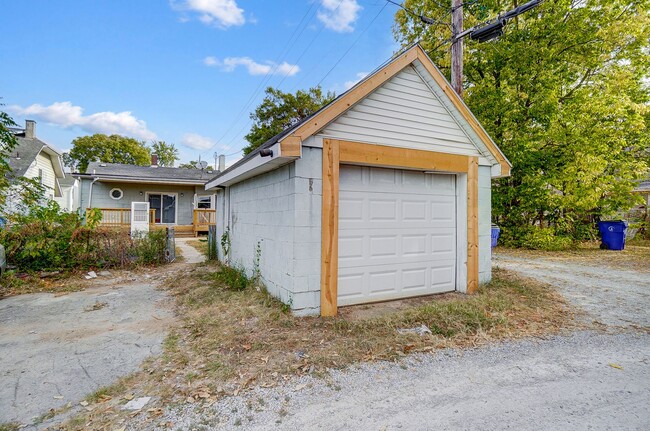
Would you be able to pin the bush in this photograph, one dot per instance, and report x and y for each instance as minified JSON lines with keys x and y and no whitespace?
{"x":47,"y":238}
{"x":535,"y":238}
{"x":234,"y":278}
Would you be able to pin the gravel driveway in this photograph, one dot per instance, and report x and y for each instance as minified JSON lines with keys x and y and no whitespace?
{"x":585,"y":381}
{"x":611,"y":296}
{"x":58,"y":349}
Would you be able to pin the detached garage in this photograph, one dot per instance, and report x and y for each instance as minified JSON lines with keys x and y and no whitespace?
{"x":382,"y":194}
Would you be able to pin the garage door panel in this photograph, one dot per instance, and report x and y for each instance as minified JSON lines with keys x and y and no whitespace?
{"x":397,"y":234}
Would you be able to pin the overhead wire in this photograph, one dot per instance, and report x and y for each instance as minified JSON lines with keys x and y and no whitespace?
{"x":287,"y":47}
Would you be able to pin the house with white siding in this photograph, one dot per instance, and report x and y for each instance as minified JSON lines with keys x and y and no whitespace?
{"x":34,"y":159}
{"x":383,"y":194}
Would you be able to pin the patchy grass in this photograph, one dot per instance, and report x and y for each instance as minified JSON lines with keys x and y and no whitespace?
{"x":234,"y":337}
{"x":10,"y":426}
{"x":200,"y":244}
{"x":636,"y":255}
{"x":20,"y":284}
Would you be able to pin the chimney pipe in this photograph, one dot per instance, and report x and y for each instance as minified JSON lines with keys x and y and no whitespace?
{"x":29,"y":129}
{"x":154,"y":160}
{"x":222,"y":163}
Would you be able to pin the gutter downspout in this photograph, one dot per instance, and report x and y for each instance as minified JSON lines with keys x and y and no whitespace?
{"x":90,"y":193}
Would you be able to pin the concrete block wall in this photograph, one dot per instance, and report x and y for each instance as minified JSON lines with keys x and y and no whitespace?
{"x":261,"y":211}
{"x":484,"y":224}
{"x":308,"y":194}
{"x":281,"y":211}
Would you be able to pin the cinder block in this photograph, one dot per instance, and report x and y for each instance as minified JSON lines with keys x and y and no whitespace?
{"x":305,"y":300}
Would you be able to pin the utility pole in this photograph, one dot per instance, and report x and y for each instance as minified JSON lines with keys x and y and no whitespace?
{"x":457,"y":46}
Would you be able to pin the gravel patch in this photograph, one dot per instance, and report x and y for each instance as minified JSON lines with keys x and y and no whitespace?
{"x":583,"y":381}
{"x":614,"y":297}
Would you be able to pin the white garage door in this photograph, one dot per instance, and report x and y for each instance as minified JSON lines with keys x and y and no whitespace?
{"x":397,"y":234}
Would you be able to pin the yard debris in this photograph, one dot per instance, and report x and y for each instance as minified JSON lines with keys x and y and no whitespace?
{"x":48,"y":274}
{"x":136,"y":404}
{"x":104,"y":273}
{"x":420,"y":330}
{"x":90,"y":275}
{"x":618,"y":367}
{"x":96,"y":306}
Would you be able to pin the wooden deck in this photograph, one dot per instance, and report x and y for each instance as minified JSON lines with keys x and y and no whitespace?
{"x":121,"y":218}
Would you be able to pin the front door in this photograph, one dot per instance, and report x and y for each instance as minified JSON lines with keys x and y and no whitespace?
{"x":165,"y":207}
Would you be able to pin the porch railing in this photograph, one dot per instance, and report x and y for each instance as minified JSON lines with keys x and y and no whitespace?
{"x":120,"y":217}
{"x":203,"y":219}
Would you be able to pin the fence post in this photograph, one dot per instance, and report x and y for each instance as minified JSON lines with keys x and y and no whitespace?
{"x":212,"y":242}
{"x":170,"y":245}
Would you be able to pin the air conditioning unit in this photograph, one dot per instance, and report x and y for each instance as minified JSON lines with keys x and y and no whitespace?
{"x":139,"y":217}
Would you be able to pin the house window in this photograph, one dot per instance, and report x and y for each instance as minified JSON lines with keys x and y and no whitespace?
{"x":116,"y":194}
{"x":40,"y":176}
{"x":204,"y":202}
{"x":165,"y":207}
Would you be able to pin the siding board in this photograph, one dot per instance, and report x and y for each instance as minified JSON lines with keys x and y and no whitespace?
{"x":403,"y":112}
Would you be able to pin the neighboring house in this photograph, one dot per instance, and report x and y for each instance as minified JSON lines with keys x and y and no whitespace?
{"x":385,"y":193}
{"x":70,"y":193}
{"x":644,"y":190}
{"x":176,"y":196}
{"x":33,"y":158}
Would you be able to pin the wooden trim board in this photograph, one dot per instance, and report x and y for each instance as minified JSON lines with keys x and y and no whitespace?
{"x":336,"y":152}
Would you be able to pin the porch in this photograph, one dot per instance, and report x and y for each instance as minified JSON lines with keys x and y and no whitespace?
{"x":121,"y":218}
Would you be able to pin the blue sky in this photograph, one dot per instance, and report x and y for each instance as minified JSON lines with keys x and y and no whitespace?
{"x":184,"y":71}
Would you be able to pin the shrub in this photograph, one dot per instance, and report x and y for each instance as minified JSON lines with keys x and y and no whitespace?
{"x":535,"y":238}
{"x":234,"y":278}
{"x":47,"y":238}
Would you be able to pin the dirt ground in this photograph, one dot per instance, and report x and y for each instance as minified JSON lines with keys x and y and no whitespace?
{"x":612,"y":288}
{"x":56,"y":349}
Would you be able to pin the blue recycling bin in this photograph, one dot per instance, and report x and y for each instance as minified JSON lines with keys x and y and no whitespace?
{"x":496,"y":231}
{"x":612,"y":234}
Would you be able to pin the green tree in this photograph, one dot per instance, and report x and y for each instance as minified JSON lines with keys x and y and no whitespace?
{"x":280,"y":110}
{"x":7,"y":143}
{"x":562,"y":94}
{"x":167,"y":153}
{"x":189,"y":165}
{"x":108,"y":149}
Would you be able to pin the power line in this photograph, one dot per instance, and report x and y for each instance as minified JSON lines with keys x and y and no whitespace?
{"x":287,"y":47}
{"x":353,"y":44}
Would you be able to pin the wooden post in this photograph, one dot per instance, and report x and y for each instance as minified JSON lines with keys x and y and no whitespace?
{"x":330,"y":229}
{"x":457,"y":47}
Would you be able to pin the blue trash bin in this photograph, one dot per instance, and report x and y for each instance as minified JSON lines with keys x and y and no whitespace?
{"x":613,"y":234}
{"x":496,"y":231}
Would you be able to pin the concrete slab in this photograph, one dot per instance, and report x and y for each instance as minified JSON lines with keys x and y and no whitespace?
{"x":58,"y":349}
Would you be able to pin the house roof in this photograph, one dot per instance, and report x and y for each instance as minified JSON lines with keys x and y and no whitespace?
{"x":133,"y":173}
{"x":24,"y":154}
{"x":319,"y":120}
{"x":643,"y":187}
{"x":68,"y":181}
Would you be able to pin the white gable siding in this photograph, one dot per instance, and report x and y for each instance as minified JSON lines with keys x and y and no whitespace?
{"x":44,"y":163}
{"x":458,"y":117}
{"x":403,"y":112}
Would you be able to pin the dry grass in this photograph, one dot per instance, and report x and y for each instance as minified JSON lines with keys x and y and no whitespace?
{"x":636,"y":255}
{"x":233,"y":339}
{"x":11,"y":284}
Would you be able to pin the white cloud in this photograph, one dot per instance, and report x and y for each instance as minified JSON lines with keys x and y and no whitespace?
{"x":350,"y":84}
{"x":220,"y":13}
{"x":197,"y":142}
{"x":229,"y":64}
{"x":65,"y":114}
{"x":339,"y":15}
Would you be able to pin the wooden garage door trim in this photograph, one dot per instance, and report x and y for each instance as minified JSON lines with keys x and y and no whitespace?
{"x":336,"y":152}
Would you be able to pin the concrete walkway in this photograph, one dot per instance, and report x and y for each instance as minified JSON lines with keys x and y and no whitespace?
{"x":190,"y":254}
{"x":56,"y":350}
